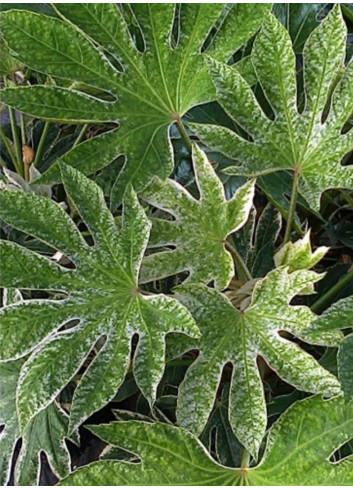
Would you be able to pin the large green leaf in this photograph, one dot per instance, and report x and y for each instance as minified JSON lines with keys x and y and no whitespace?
{"x":240,"y":336}
{"x":46,"y":432}
{"x":340,"y":316}
{"x":101,"y":295}
{"x":310,"y":143}
{"x":298,"y":451}
{"x":199,"y":229}
{"x":154,"y":89}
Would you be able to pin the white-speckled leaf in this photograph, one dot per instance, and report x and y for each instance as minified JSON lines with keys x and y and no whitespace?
{"x":199,"y":227}
{"x":298,"y":451}
{"x":154,"y":88}
{"x":339,"y":316}
{"x":46,"y":432}
{"x":240,"y":337}
{"x":311,"y":141}
{"x":345,"y":366}
{"x":102,"y":297}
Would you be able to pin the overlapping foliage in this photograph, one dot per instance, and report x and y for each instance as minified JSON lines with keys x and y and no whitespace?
{"x":166,"y":291}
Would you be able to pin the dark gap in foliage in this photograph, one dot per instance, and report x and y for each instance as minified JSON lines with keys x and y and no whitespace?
{"x":135,"y":29}
{"x":69,"y":325}
{"x":46,"y":476}
{"x":16,"y":454}
{"x":343,"y":452}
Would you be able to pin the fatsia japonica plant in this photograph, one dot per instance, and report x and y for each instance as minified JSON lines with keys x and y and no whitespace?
{"x":176,"y":249}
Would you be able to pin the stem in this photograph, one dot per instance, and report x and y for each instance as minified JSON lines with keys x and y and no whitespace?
{"x":23,"y":129}
{"x":292,"y":206}
{"x":184,"y":135}
{"x":22,"y":121}
{"x":245,"y":459}
{"x":40,"y":148}
{"x":242,"y":269}
{"x":27,"y":173}
{"x":15,"y":136}
{"x":27,"y":75}
{"x":244,"y":465}
{"x":81,"y":135}
{"x":326,"y":299}
{"x":10,"y":151}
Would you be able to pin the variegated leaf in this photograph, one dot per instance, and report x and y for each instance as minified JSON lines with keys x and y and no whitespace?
{"x":150,"y":89}
{"x":46,"y":432}
{"x":312,"y":142}
{"x":339,"y":316}
{"x":101,"y":301}
{"x":298,"y":450}
{"x":345,"y":366}
{"x":240,"y":337}
{"x":199,"y":227}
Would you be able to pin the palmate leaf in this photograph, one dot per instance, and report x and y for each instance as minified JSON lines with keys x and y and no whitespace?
{"x":154,"y":89}
{"x":240,"y":337}
{"x":339,"y":316}
{"x":298,"y":449}
{"x":102,"y":295}
{"x":199,"y":229}
{"x":46,"y":432}
{"x":311,"y":142}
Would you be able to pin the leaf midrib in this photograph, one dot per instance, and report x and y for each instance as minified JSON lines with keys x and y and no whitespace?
{"x":131,"y":60}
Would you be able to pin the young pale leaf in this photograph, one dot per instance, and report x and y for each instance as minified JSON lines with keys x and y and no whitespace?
{"x":199,"y":229}
{"x":240,"y":337}
{"x":154,"y":88}
{"x":298,"y":449}
{"x":311,"y":142}
{"x":339,"y":316}
{"x":46,"y":432}
{"x":298,"y":255}
{"x":102,"y":297}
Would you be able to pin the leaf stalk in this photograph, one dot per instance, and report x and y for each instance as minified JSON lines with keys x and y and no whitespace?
{"x":183,"y":133}
{"x":292,"y":206}
{"x":81,"y":135}
{"x":326,"y":299}
{"x":41,"y":143}
{"x":242,"y":269}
